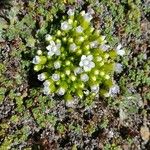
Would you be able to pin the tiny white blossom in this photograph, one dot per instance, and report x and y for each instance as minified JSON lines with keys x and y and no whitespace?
{"x":87,"y":92}
{"x":94,"y":44}
{"x":48,"y":37}
{"x":78,"y":70}
{"x":87,"y":16}
{"x":120,"y":51}
{"x":70,"y":12}
{"x":114,"y":90}
{"x":87,"y":63}
{"x":110,"y":134}
{"x":79,"y":29}
{"x":95,"y":88}
{"x":73,"y":47}
{"x":103,"y":37}
{"x":65,"y":25}
{"x":104,"y":47}
{"x":53,"y":49}
{"x":84,"y":77}
{"x":50,"y":46}
{"x":55,"y":77}
{"x":118,"y":68}
{"x":46,"y":83}
{"x":39,"y":52}
{"x":46,"y":90}
{"x":36,"y":60}
{"x":61,"y":91}
{"x":57,"y":65}
{"x":41,"y":77}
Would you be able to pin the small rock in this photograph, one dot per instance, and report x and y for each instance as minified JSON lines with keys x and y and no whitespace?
{"x":145,"y":133}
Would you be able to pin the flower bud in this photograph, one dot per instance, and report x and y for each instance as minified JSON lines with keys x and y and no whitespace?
{"x":38,"y":67}
{"x":106,"y":56}
{"x":67,"y":71}
{"x":68,"y":97}
{"x":80,"y":93}
{"x":43,"y":76}
{"x":73,"y":77}
{"x":58,"y":33}
{"x":102,"y":73}
{"x":107,"y":77}
{"x":39,"y":52}
{"x":48,"y":37}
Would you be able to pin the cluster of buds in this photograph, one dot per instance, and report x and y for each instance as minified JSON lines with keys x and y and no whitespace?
{"x":76,"y":59}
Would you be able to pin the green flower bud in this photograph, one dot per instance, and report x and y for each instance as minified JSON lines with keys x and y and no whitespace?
{"x":101,"y":63}
{"x":93,"y":78}
{"x":73,"y":77}
{"x":98,"y":59}
{"x":68,"y":97}
{"x":102,"y":73}
{"x":107,"y":77}
{"x":64,"y":39}
{"x":79,"y":52}
{"x":67,"y":71}
{"x":58,"y":33}
{"x":106,"y":56}
{"x":70,"y":21}
{"x":80,"y":93}
{"x":67,"y":63}
{"x":70,"y":40}
{"x":38,"y":67}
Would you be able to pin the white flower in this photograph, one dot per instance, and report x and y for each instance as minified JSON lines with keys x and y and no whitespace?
{"x":70,"y":12}
{"x":36,"y":60}
{"x":120,"y":51}
{"x":73,"y":47}
{"x":78,"y":70}
{"x":104,"y":47}
{"x":48,"y":37}
{"x":65,"y":25}
{"x":94,"y":44}
{"x":39,"y":52}
{"x":95,"y":88}
{"x":79,"y":29}
{"x":55,"y":77}
{"x":57,"y":65}
{"x":87,"y":16}
{"x":61,"y":91}
{"x":84,"y":77}
{"x":87,"y":92}
{"x":114,"y":90}
{"x":46,"y":90}
{"x":42,"y":77}
{"x":50,"y":46}
{"x":86,"y":62}
{"x":53,"y":49}
{"x":118,"y":68}
{"x":46,"y":83}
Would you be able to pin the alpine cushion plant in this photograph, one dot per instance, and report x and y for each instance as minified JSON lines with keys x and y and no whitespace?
{"x":76,"y":59}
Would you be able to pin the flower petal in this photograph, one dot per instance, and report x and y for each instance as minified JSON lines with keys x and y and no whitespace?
{"x":83,"y":57}
{"x":121,"y":52}
{"x":92,"y":65}
{"x":49,"y":47}
{"x":81,"y":64}
{"x":119,"y":47}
